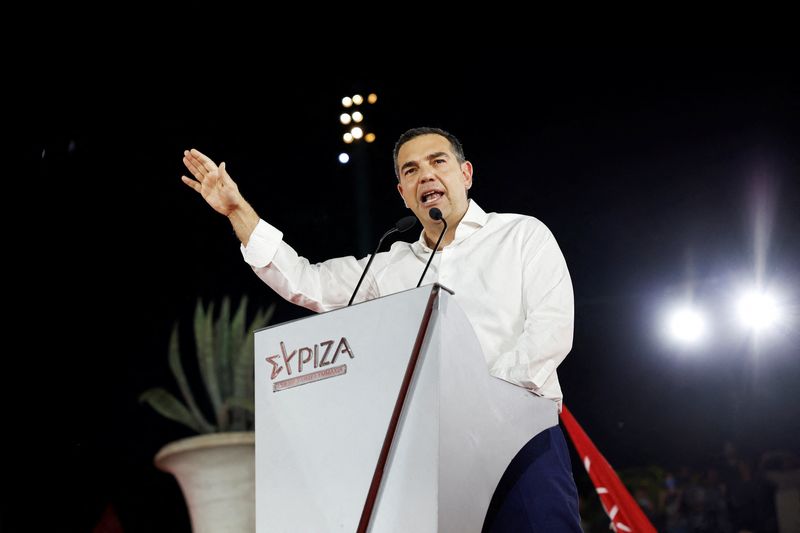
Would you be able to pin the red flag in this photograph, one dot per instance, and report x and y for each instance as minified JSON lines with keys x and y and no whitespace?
{"x":623,"y":511}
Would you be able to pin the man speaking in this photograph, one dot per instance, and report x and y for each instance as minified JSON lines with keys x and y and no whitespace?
{"x":508,"y":274}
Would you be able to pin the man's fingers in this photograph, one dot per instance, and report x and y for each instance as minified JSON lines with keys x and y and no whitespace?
{"x":194,"y":152}
{"x":193,"y":167}
{"x":203,"y":160}
{"x":190,"y":155}
{"x":191,"y":183}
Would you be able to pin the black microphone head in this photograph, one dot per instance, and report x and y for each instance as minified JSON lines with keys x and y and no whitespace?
{"x":435,"y":213}
{"x":405,"y":223}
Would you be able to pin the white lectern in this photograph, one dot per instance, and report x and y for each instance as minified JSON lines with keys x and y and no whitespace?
{"x":382,"y":417}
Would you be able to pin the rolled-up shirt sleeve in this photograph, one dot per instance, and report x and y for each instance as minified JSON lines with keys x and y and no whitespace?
{"x":319,"y":287}
{"x":263,"y":245}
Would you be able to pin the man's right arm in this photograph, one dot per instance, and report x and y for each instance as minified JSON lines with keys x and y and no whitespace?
{"x":319,"y":287}
{"x":244,"y":220}
{"x":219,"y":190}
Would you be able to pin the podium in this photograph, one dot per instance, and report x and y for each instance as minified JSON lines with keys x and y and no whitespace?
{"x":383,"y":417}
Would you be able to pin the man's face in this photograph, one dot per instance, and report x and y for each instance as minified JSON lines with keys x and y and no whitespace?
{"x":430,"y":176}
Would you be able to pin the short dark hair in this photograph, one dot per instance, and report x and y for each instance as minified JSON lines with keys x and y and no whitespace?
{"x":413,"y":133}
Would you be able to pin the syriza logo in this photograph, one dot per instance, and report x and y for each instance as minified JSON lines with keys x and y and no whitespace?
{"x":308,"y":363}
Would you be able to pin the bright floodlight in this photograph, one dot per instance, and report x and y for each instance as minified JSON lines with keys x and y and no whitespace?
{"x":344,"y":118}
{"x":357,"y":132}
{"x":347,"y":137}
{"x":758,"y":310}
{"x":686,"y":326}
{"x":357,"y":117}
{"x":347,"y":101}
{"x":358,"y":99}
{"x":372,"y":98}
{"x":344,"y":158}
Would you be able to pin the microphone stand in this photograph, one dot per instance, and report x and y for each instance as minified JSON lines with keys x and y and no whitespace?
{"x":440,"y":217}
{"x":404,"y":224}
{"x":368,"y":264}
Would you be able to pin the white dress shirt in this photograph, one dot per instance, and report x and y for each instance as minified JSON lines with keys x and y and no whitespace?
{"x":507,"y":271}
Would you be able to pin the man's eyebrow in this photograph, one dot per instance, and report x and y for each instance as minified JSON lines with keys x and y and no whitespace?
{"x":408,"y":164}
{"x":428,"y":157}
{"x":436,"y":155}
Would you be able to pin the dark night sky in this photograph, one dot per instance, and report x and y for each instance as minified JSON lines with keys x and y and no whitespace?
{"x":646,"y":166}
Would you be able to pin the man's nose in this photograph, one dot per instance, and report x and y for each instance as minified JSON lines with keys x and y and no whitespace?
{"x":426,"y":174}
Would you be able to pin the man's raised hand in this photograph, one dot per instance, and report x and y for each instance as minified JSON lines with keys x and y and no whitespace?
{"x":212,"y":182}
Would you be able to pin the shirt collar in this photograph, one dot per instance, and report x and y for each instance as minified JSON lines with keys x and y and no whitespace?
{"x":474,"y":219}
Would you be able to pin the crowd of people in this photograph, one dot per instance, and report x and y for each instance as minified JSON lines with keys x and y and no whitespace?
{"x":733,"y":494}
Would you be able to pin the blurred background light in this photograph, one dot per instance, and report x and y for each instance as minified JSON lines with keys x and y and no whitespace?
{"x":758,"y":310}
{"x":686,"y":326}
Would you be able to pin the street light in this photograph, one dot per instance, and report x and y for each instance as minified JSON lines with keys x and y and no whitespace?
{"x":354,"y":118}
{"x":686,"y":325}
{"x":758,"y":310}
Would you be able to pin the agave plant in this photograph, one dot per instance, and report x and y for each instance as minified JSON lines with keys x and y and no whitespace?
{"x":225,"y":356}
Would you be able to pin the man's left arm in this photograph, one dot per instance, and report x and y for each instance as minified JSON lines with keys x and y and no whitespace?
{"x":549,"y":308}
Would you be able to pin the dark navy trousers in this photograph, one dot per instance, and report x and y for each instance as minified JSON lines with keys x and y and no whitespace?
{"x":537,"y":493}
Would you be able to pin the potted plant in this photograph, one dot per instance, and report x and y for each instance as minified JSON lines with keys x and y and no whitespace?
{"x":215,"y":469}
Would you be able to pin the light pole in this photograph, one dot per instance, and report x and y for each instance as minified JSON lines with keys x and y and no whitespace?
{"x":356,"y":137}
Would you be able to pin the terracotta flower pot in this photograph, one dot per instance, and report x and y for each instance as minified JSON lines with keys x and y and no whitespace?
{"x":216,"y":473}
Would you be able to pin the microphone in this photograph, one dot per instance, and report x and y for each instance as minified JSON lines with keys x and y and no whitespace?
{"x":436,"y":214}
{"x":404,"y":224}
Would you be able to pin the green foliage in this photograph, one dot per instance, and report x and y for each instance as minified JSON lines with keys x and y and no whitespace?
{"x":224,"y":350}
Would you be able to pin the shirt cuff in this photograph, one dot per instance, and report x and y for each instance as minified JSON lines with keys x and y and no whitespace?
{"x":262,"y":245}
{"x":520,"y":374}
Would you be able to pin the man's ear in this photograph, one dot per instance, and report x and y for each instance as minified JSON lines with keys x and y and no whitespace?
{"x":400,"y":190}
{"x":466,"y":173}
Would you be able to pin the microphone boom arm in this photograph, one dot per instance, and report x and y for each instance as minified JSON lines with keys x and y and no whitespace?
{"x":404,"y":224}
{"x":353,"y":297}
{"x":434,"y":248}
